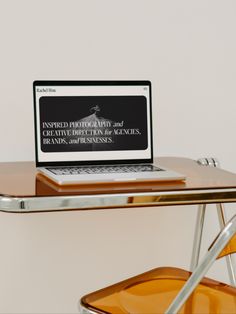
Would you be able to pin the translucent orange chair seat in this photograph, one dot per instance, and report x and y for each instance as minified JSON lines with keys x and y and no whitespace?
{"x":229,"y":248}
{"x":153,"y":291}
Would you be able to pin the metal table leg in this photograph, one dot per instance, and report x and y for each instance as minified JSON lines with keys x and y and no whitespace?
{"x":212,"y":162}
{"x":198,"y":236}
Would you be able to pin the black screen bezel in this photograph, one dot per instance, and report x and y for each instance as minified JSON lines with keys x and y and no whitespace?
{"x":91,"y":83}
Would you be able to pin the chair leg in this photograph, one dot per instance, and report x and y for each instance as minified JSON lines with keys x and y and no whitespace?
{"x":229,"y":260}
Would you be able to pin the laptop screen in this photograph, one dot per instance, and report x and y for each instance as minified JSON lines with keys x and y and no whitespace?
{"x":79,"y":122}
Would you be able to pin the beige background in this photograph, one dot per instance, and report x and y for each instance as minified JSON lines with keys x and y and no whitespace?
{"x":187,"y":49}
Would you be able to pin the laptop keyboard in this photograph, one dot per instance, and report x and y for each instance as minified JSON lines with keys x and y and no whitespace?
{"x":102,"y":169}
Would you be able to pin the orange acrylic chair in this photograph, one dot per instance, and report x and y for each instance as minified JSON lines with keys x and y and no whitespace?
{"x":171,"y":290}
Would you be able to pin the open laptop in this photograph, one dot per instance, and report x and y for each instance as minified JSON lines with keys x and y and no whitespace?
{"x":95,"y":131}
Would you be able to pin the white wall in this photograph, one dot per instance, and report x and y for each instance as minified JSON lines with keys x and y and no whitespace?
{"x":187,"y":49}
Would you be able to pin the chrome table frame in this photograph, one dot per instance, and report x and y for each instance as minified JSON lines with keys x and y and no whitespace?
{"x":13,"y":204}
{"x":116,"y":199}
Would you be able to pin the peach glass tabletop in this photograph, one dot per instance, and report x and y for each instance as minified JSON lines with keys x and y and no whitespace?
{"x":22,"y":189}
